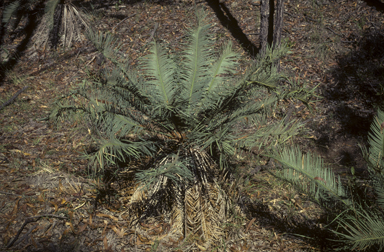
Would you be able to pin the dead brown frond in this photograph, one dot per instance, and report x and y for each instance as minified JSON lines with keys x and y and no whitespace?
{"x":67,"y":28}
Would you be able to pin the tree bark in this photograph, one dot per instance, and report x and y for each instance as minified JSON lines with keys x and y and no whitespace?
{"x":271,"y":22}
{"x":264,"y":19}
{"x":278,"y":27}
{"x":2,"y":30}
{"x":278,"y":24}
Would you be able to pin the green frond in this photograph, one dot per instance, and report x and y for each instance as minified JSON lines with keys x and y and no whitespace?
{"x":160,"y":70}
{"x":18,"y":9}
{"x":197,"y":59}
{"x":111,"y":150}
{"x":309,"y":173}
{"x":362,"y":231}
{"x":171,"y":167}
{"x":109,"y":46}
{"x":221,"y":73}
{"x":264,"y":72}
{"x":105,"y":43}
{"x":374,"y":156}
{"x":10,"y":10}
{"x":269,"y":135}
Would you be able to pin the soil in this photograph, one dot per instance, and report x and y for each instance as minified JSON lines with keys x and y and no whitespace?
{"x":336,"y":46}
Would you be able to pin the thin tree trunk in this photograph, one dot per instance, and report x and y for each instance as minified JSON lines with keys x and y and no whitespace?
{"x":264,"y":19}
{"x":271,"y":21}
{"x":278,"y":27}
{"x":278,"y":24}
{"x":2,"y":30}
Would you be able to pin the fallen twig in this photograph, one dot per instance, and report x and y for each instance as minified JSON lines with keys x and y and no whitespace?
{"x":340,"y":35}
{"x":153,"y":32}
{"x":13,"y":97}
{"x":114,"y":28}
{"x":25,"y":236}
{"x":29,"y":220}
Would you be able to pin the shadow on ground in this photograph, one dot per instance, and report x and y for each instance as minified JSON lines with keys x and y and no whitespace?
{"x":352,"y":99}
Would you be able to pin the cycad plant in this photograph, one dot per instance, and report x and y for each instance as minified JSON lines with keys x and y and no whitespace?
{"x":60,"y":20}
{"x":360,"y":220}
{"x":182,"y":117}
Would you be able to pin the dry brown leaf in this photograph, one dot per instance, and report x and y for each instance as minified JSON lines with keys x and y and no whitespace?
{"x":201,"y":247}
{"x":105,"y":228}
{"x":72,"y":228}
{"x":321,"y":179}
{"x":33,"y":242}
{"x":142,"y":240}
{"x":60,"y":186}
{"x":108,"y":216}
{"x":14,"y":211}
{"x":105,"y":241}
{"x":119,"y":233}
{"x":65,"y":232}
{"x":82,"y":228}
{"x":70,"y":213}
{"x":24,"y":208}
{"x":250,"y":224}
{"x":55,"y":205}
{"x":40,"y":198}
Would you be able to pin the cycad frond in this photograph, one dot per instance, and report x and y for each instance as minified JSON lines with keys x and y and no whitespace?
{"x":362,"y":231}
{"x":205,"y":213}
{"x":61,"y":23}
{"x":18,"y":10}
{"x":170,"y":167}
{"x":269,"y":134}
{"x":197,"y":58}
{"x":309,"y":173}
{"x":359,"y":228}
{"x":160,"y":70}
{"x":113,"y":150}
{"x":50,"y":9}
{"x":105,"y":43}
{"x":374,"y":156}
{"x":10,"y":10}
{"x":221,"y":71}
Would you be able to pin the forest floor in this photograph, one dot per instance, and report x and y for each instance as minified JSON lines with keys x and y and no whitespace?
{"x":49,"y":203}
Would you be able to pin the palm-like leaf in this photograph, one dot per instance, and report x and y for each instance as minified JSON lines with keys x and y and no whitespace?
{"x":374,"y":156}
{"x":359,"y":228}
{"x":309,"y":174}
{"x":10,"y":10}
{"x":197,"y":59}
{"x":161,"y":71}
{"x":362,"y":231}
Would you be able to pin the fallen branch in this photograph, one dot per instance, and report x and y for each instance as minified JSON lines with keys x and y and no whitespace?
{"x":153,"y":32}
{"x":114,"y":28}
{"x":25,"y":236}
{"x":29,"y":220}
{"x":13,"y":98}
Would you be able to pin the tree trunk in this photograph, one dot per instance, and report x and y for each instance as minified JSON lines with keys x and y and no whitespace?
{"x":2,"y":30}
{"x":278,"y":27}
{"x":278,"y":24}
{"x":271,"y":21}
{"x":264,"y":19}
